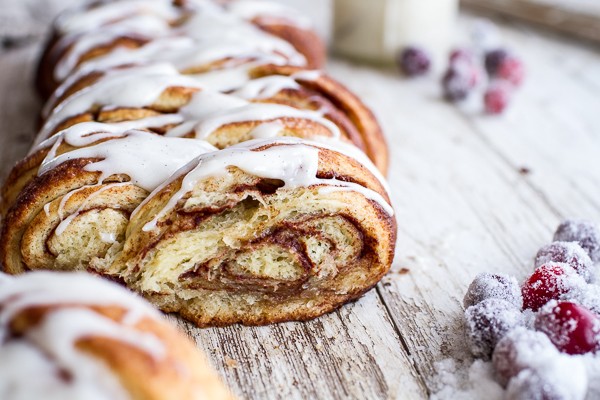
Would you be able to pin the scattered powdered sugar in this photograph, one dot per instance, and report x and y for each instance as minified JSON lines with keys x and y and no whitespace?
{"x":570,"y":253}
{"x":457,"y":380}
{"x":592,"y":366}
{"x":563,"y":378}
{"x":588,"y":296}
{"x":487,"y":322}
{"x":494,"y":286}
{"x":529,"y":319}
{"x":521,"y":349}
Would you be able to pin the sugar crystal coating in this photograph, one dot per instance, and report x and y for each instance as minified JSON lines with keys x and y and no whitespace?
{"x":487,"y":322}
{"x":569,"y":253}
{"x":586,"y":233}
{"x":497,"y":286}
{"x":521,"y":348}
{"x":571,"y":327}
{"x":564,"y":378}
{"x":549,"y":282}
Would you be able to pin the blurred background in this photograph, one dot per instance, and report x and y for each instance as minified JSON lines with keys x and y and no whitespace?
{"x":24,"y":18}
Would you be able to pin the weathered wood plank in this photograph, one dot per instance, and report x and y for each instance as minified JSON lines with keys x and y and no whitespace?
{"x":19,"y":105}
{"x":352,"y":353}
{"x":575,"y":17}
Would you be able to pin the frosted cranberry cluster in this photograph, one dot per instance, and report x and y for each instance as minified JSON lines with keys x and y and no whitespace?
{"x":534,"y":332}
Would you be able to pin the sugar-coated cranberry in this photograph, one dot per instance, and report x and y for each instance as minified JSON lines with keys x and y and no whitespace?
{"x":571,"y":327}
{"x":563,"y":378}
{"x":459,"y":80}
{"x":487,"y":322}
{"x":461,"y":55}
{"x":414,"y":61}
{"x":549,"y":282}
{"x":493,"y":60}
{"x":570,"y":253}
{"x":511,"y":69}
{"x":521,"y":348}
{"x":497,"y":97}
{"x":586,"y":233}
{"x":493,"y":286}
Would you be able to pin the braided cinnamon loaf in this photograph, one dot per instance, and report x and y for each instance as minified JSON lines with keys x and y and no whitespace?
{"x":73,"y":336}
{"x":219,"y":178}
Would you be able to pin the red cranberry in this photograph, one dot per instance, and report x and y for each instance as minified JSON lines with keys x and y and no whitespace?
{"x":493,"y":60}
{"x":549,"y":282}
{"x":487,"y":322}
{"x":569,"y":253}
{"x":488,"y":286}
{"x":572,"y":328}
{"x":511,"y":69}
{"x":586,"y":233}
{"x":521,"y":349}
{"x":414,"y":61}
{"x":496,"y":98}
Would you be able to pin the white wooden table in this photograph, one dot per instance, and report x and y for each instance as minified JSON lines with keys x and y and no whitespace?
{"x":464,"y":205}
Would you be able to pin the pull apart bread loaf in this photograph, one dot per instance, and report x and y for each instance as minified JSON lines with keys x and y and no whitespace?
{"x":75,"y":336}
{"x":190,"y":151}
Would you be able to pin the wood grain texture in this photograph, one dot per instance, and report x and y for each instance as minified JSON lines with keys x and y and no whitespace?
{"x":576,"y":17}
{"x":464,"y":205}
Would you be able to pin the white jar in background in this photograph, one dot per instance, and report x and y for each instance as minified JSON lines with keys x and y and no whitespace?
{"x":376,"y":30}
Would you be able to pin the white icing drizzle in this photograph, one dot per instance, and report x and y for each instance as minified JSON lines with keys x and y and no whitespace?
{"x":121,"y":57}
{"x":148,"y":26}
{"x":213,"y":33}
{"x":235,"y":37}
{"x":147,"y":159}
{"x":267,"y":130}
{"x":308,"y":75}
{"x":208,"y":111}
{"x":265,"y":87}
{"x":139,"y":87}
{"x":84,"y":19}
{"x":291,"y":160}
{"x":49,"y":346}
{"x":86,"y":133}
